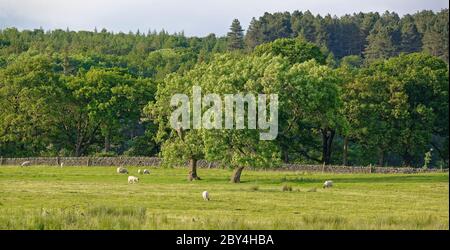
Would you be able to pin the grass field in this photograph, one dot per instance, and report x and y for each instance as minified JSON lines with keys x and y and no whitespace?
{"x":99,"y":198}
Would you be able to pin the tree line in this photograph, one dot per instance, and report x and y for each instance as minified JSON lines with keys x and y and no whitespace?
{"x":370,"y":35}
{"x":342,"y":101}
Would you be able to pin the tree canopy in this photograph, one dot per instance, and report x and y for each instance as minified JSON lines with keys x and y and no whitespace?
{"x":366,"y":88}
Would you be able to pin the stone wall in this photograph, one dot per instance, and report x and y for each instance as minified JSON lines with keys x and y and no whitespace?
{"x":154,"y":161}
{"x":84,"y":161}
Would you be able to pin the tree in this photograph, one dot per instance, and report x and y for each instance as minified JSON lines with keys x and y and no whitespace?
{"x":254,"y":35}
{"x":411,"y":40}
{"x":295,"y":50}
{"x":182,"y":145}
{"x":268,"y":28}
{"x":297,"y":120}
{"x":29,"y":95}
{"x":398,"y":104}
{"x":382,"y":42}
{"x":435,"y":40}
{"x":235,"y":148}
{"x":312,"y":103}
{"x":101,"y":102}
{"x":370,"y":113}
{"x":235,"y":37}
{"x":240,"y":148}
{"x":423,"y":80}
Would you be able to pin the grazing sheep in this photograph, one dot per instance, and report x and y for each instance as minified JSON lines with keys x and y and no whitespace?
{"x":139,"y":171}
{"x":146,"y":171}
{"x":62,"y":164}
{"x":121,"y":170}
{"x":205,"y":195}
{"x":133,"y":179}
{"x":25,"y":163}
{"x":327,"y":184}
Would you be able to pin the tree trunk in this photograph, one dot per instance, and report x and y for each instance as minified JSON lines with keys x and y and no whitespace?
{"x":345,"y":160}
{"x":327,"y":141}
{"x":78,"y":149}
{"x":107,"y":143}
{"x":193,"y":172}
{"x":381,"y":158}
{"x":286,"y":156}
{"x":236,"y":177}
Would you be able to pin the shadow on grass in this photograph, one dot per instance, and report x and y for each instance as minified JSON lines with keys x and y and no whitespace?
{"x":356,"y":179}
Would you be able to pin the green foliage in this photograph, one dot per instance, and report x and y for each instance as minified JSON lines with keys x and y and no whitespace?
{"x":370,"y":34}
{"x":349,"y":88}
{"x":295,"y":50}
{"x":397,"y":105}
{"x":351,"y":62}
{"x":255,"y":75}
{"x":28,"y":98}
{"x":309,"y":105}
{"x":427,"y":159}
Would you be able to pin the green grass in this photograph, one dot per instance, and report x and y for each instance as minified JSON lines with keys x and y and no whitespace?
{"x":99,"y":198}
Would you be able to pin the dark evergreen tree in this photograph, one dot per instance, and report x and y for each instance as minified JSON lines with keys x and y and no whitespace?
{"x":383,"y":42}
{"x":435,"y":40}
{"x":411,"y":40}
{"x":235,"y":38}
{"x":254,"y":36}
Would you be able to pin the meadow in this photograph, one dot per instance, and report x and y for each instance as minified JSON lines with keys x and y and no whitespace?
{"x":43,"y":197}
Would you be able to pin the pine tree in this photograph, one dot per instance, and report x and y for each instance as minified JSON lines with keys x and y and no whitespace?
{"x":254,"y":35}
{"x":411,"y":40}
{"x":435,"y":39}
{"x":383,"y":42}
{"x":235,"y":37}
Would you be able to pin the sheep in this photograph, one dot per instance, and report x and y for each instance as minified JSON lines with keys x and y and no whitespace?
{"x":121,"y":170}
{"x":133,"y":179}
{"x":139,"y":171}
{"x":205,"y":195}
{"x":25,"y":163}
{"x":327,"y":184}
{"x":146,"y":171}
{"x":62,"y":164}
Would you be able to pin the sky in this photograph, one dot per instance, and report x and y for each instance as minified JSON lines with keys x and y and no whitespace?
{"x":193,"y":17}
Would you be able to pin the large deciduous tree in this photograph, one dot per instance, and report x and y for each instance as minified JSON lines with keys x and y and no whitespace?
{"x":399,"y":104}
{"x":29,"y":96}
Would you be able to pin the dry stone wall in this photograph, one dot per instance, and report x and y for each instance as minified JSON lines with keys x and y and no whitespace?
{"x":154,"y":161}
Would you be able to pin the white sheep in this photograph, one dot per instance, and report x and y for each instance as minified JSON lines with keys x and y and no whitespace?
{"x":139,"y":171}
{"x":133,"y":179}
{"x":62,"y":164}
{"x":327,"y":184}
{"x":146,"y":171}
{"x":25,"y":163}
{"x":205,"y":195}
{"x":121,"y":170}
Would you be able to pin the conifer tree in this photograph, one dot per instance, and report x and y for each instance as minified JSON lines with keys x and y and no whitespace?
{"x":235,"y":37}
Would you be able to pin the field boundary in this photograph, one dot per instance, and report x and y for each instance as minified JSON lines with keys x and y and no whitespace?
{"x":155,"y":162}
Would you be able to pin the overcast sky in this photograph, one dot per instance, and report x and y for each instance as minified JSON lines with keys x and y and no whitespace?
{"x":194,"y":17}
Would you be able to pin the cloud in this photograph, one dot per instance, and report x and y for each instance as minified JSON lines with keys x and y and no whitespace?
{"x":195,"y":17}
